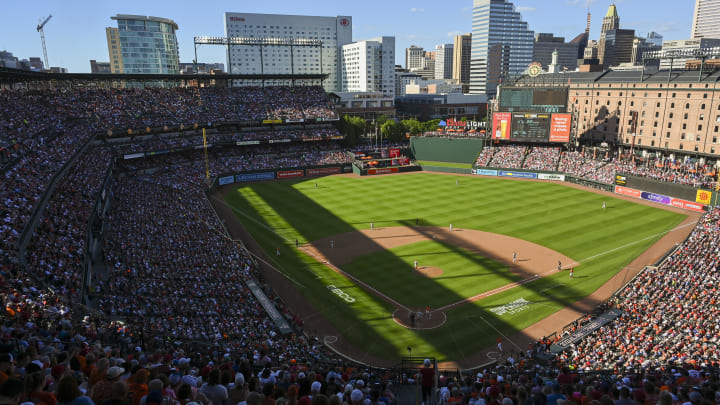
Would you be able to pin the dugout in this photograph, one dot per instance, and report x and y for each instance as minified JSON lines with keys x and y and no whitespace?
{"x":456,"y":150}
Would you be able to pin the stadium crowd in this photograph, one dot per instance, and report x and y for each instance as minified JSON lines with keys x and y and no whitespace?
{"x":601,"y":169}
{"x":669,"y":313}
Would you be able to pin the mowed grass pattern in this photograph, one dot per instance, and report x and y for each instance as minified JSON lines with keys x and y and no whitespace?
{"x":464,"y":272}
{"x":561,"y":218}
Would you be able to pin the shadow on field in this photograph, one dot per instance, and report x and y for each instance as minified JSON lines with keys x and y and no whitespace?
{"x":464,"y":334}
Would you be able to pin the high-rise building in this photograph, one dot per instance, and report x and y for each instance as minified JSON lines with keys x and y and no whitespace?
{"x":201,"y":68}
{"x":369,"y":65}
{"x":443,"y":61}
{"x":615,"y":44}
{"x":414,"y":57}
{"x":143,"y":45}
{"x":99,"y":67}
{"x":114,"y":49}
{"x":502,"y":45}
{"x":546,"y":44}
{"x":706,"y":19}
{"x":461,"y":60}
{"x":334,"y":32}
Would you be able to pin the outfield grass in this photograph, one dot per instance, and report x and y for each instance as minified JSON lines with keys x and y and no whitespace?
{"x":561,"y":218}
{"x":464,"y":272}
{"x":445,"y":164}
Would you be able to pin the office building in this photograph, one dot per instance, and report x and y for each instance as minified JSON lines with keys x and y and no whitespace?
{"x":443,"y":61}
{"x":654,"y":38}
{"x":369,"y":66}
{"x":99,"y":67}
{"x":546,"y":44}
{"x":640,"y":47}
{"x":461,"y":60}
{"x":334,"y":32}
{"x":615,"y":45}
{"x":706,"y":19}
{"x":680,"y":62}
{"x":402,"y":79}
{"x":414,"y":57}
{"x":114,"y":49}
{"x":442,"y":106}
{"x":675,"y":114}
{"x":433,"y":86}
{"x":502,"y":45}
{"x":141,"y":44}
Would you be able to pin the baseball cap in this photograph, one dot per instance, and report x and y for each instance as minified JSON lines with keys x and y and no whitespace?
{"x":356,"y":396}
{"x":315,"y":387}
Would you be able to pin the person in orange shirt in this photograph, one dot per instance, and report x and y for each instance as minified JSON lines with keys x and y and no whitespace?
{"x":137,"y":387}
{"x":6,"y":367}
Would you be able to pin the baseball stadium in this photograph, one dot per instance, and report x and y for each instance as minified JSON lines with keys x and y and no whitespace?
{"x":243,"y":231}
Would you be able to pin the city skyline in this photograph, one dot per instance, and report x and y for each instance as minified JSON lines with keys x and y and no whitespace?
{"x":425,"y":24}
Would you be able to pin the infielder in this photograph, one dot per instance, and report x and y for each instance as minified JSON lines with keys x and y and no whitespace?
{"x":332,"y":243}
{"x":416,"y":267}
{"x":514,"y":257}
{"x":559,"y":265}
{"x":603,"y":206}
{"x":572,"y":270}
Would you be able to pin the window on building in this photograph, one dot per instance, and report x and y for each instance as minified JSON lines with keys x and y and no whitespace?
{"x":684,"y":126}
{"x":652,"y":143}
{"x":685,"y":116}
{"x":687,"y":106}
{"x":700,"y":127}
{"x":702,"y":106}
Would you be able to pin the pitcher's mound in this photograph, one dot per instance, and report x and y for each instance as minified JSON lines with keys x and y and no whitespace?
{"x":430,"y":271}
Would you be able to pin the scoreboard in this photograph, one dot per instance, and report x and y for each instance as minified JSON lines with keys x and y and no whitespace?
{"x":530,"y":127}
{"x":533,"y":99}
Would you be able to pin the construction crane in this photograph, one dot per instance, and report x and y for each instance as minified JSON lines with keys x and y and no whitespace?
{"x":42,"y":37}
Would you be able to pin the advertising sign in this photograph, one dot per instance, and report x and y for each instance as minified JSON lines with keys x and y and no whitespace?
{"x":279,"y":141}
{"x":225,"y":180}
{"x":290,"y":173}
{"x":556,"y":177}
{"x":394,"y":152}
{"x":485,"y":172}
{"x":662,"y":199}
{"x":501,"y":125}
{"x":687,"y":205}
{"x":321,"y":171}
{"x":530,"y":127}
{"x":560,"y":127}
{"x":241,"y":143}
{"x":620,"y":180}
{"x":658,"y":198}
{"x":272,"y":121}
{"x":520,"y":175}
{"x":254,"y":176}
{"x":297,"y":120}
{"x":703,"y":197}
{"x":627,"y":191}
{"x":384,"y":170}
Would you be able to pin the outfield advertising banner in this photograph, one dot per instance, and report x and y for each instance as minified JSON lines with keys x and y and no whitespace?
{"x":226,"y":180}
{"x":519,"y":175}
{"x":560,"y":128}
{"x":485,"y":172}
{"x":687,"y":205}
{"x":290,"y":173}
{"x":254,"y":176}
{"x":321,"y":171}
{"x":703,"y":197}
{"x":556,"y":177}
{"x":501,"y":125}
{"x":133,"y":156}
{"x":385,"y":170}
{"x":627,"y":191}
{"x":242,"y":143}
{"x":661,"y":199}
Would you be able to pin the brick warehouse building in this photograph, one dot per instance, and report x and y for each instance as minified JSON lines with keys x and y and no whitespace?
{"x":676,"y":112}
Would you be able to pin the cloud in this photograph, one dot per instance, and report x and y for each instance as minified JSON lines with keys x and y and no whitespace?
{"x":523,"y":9}
{"x":417,"y":10}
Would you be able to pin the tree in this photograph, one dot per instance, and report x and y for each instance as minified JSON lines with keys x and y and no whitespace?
{"x":352,"y":128}
{"x":413,"y":126}
{"x":392,"y":130}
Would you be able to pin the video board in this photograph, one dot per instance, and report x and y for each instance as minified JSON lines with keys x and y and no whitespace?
{"x":531,"y":127}
{"x":533,"y":99}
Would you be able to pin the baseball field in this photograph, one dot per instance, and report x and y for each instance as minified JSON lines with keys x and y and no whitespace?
{"x":366,"y":252}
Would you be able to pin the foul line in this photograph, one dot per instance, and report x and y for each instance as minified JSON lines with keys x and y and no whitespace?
{"x":500,"y":333}
{"x":353,"y":278}
{"x":538,"y":276}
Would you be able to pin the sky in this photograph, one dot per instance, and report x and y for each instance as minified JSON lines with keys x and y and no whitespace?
{"x":76,"y":32}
